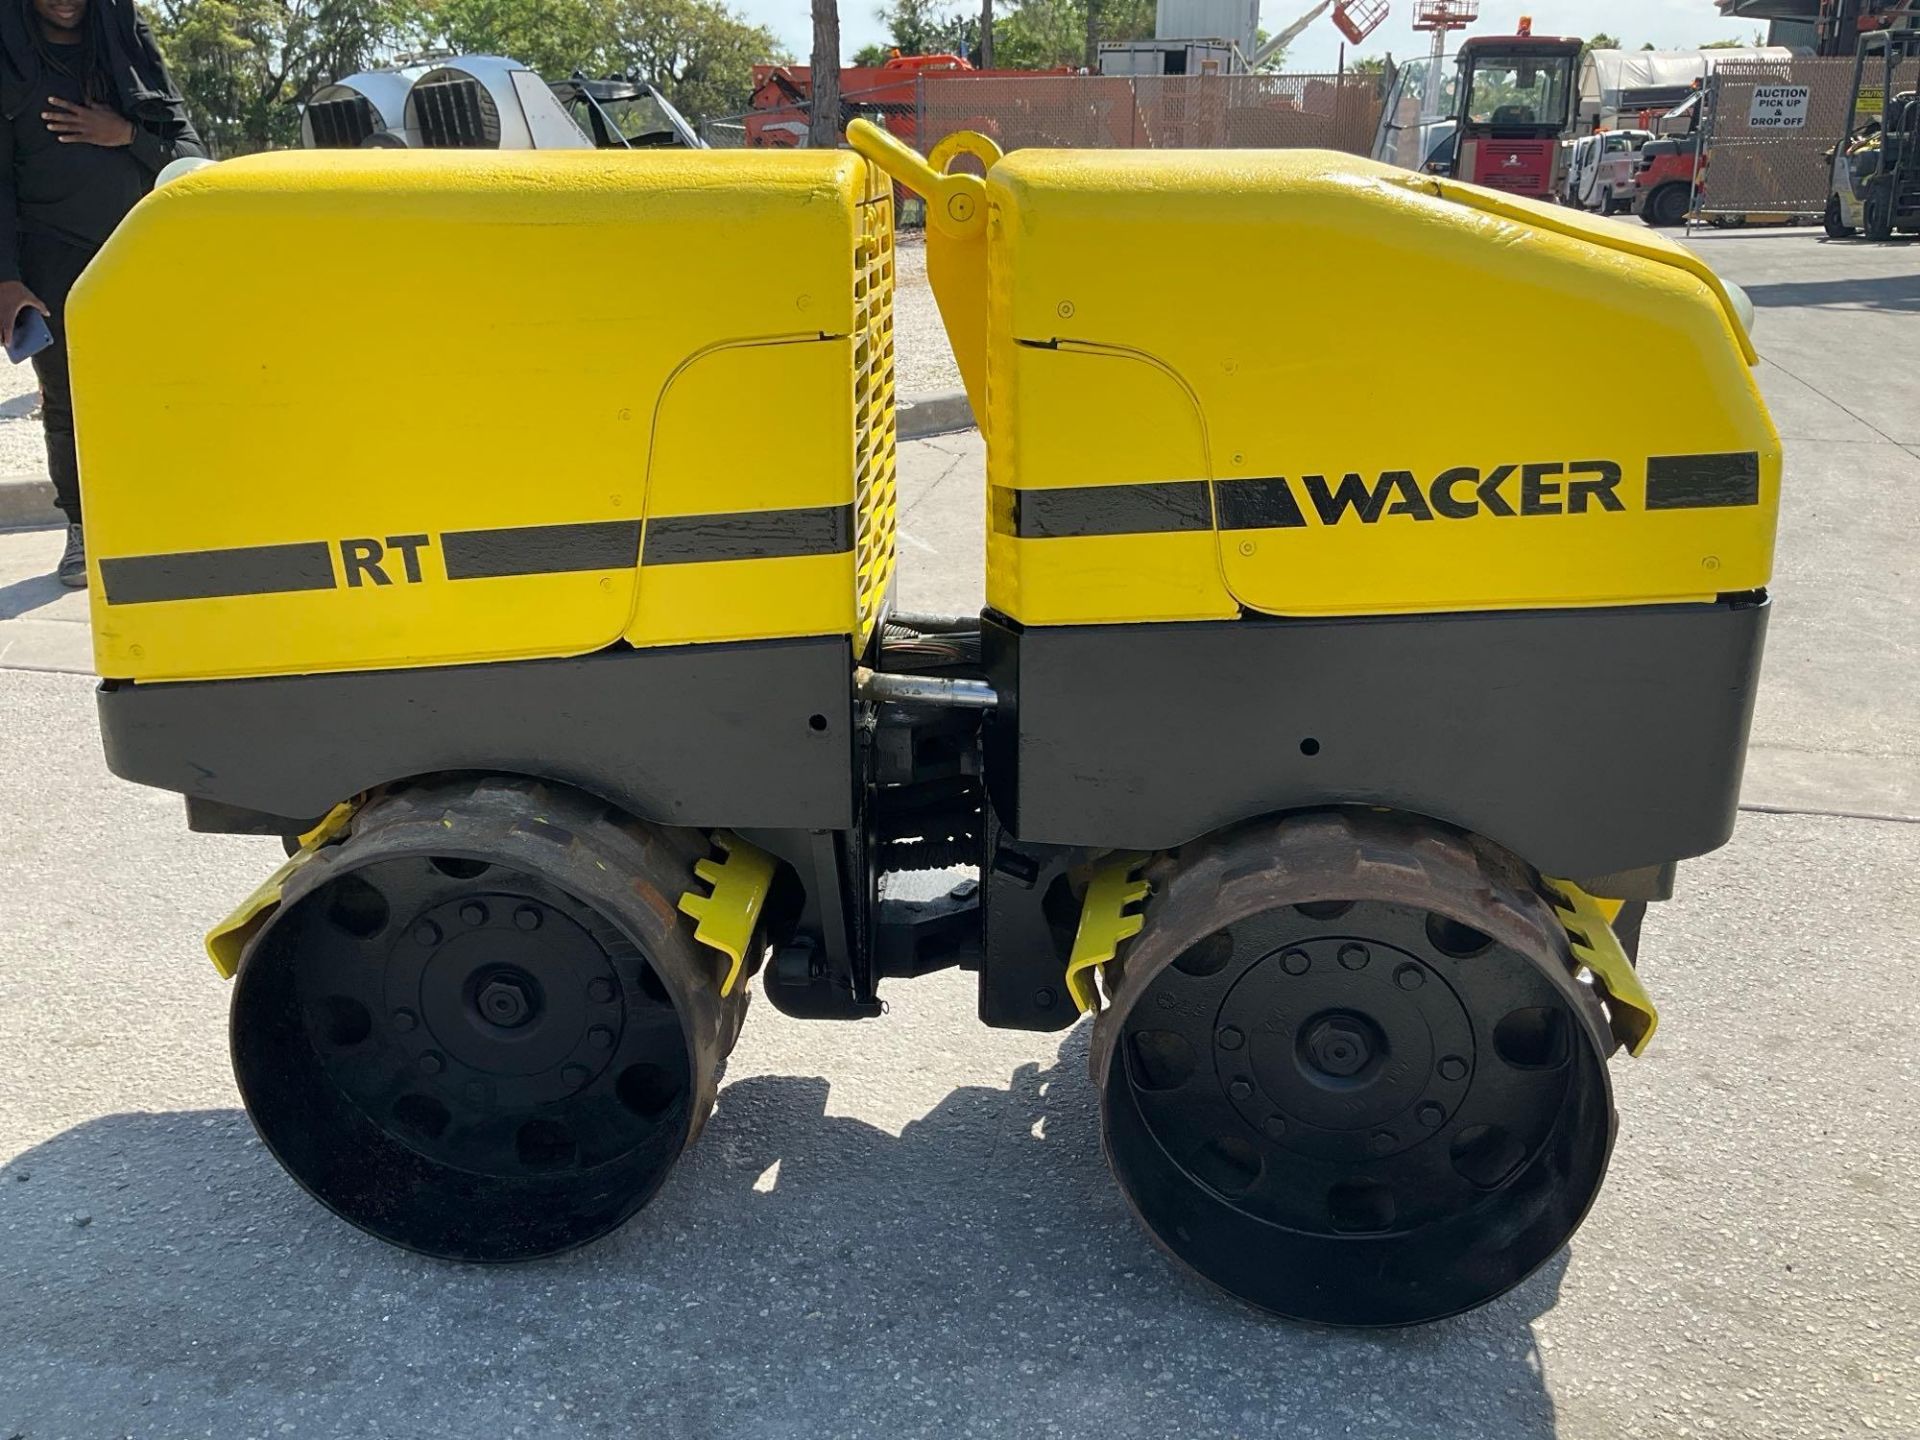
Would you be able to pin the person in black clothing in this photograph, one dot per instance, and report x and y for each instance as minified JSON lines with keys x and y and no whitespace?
{"x":88,"y":116}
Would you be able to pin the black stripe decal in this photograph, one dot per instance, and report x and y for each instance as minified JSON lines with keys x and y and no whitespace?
{"x":1158,"y":508}
{"x":749,"y":535}
{"x":212,"y":574}
{"x":1257,"y":505}
{"x":541,"y":549}
{"x":1702,"y":482}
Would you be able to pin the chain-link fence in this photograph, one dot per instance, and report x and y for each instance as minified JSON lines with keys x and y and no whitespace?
{"x":1767,"y":130}
{"x":1162,"y":112}
{"x":728,"y":133}
{"x":1184,"y":112}
{"x":782,"y":125}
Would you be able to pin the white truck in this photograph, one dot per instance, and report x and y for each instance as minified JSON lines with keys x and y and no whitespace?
{"x":1600,"y":170}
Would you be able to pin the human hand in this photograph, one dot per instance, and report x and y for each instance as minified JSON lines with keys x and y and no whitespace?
{"x":87,"y":124}
{"x":15,"y":297}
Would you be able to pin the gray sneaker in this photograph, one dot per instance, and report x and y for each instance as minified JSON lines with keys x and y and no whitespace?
{"x":73,"y":562}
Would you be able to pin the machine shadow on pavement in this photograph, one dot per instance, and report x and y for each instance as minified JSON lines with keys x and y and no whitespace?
{"x":34,"y":592}
{"x":802,"y":1273}
{"x":1898,"y":293}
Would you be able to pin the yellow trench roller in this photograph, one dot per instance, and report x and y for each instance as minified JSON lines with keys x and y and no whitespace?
{"x":1331,"y":721}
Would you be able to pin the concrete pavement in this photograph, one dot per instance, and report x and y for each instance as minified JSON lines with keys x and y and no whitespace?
{"x":43,"y":625}
{"x":1838,"y":726}
{"x":904,"y":1227}
{"x":26,"y":495}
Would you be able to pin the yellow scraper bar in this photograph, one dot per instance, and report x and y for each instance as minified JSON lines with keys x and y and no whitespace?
{"x":1590,"y":933}
{"x":727,"y":914}
{"x":1105,"y":920}
{"x":228,"y":940}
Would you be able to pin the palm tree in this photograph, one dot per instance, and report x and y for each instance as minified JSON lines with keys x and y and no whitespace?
{"x":823,"y":130}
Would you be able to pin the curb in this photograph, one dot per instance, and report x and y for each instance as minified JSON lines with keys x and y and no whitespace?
{"x":941,"y":413}
{"x":26,"y":502}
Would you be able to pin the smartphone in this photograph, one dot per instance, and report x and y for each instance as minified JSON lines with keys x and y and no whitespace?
{"x":30,"y":335}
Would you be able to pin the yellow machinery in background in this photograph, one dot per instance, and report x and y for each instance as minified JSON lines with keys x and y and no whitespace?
{"x":1325,"y":747}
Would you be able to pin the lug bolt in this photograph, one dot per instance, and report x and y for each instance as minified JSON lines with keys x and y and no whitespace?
{"x":1043,"y":998}
{"x":476,"y":1092}
{"x":1431,"y":1114}
{"x":1275,"y":1126}
{"x":505,"y":1002}
{"x":1230,"y":1038}
{"x":600,"y":1037}
{"x":1241,"y":1089}
{"x":1381,"y":1142}
{"x":473,"y":913}
{"x":575,"y":1075}
{"x":1355,"y":957}
{"x":1409,"y":977}
{"x":527,"y":918}
{"x":1339,"y":1047}
{"x":404,"y":1020}
{"x":1452,"y":1067}
{"x":432,"y":1064}
{"x":600,"y":991}
{"x":426,"y":933}
{"x":1296,"y":962}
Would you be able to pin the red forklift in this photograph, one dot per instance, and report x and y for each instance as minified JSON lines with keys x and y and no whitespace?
{"x":1514,"y":107}
{"x":1667,"y":180}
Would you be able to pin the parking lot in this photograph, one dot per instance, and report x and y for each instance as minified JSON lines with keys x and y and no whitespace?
{"x":904,"y":1227}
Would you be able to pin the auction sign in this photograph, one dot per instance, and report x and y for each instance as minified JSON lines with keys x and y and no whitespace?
{"x":1778,"y":107}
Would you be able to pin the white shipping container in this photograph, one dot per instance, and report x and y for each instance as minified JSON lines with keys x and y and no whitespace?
{"x":1167,"y":57}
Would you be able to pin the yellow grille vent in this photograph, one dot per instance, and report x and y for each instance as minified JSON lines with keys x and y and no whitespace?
{"x":873,"y":408}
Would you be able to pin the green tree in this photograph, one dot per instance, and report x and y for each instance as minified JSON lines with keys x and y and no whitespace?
{"x":1043,"y":34}
{"x":929,"y":27}
{"x":246,"y":66}
{"x":1126,"y":19}
{"x":554,"y":37}
{"x":699,"y":52}
{"x":1039,"y":34}
{"x":873,"y":56}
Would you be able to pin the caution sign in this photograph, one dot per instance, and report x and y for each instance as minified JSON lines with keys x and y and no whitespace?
{"x":1778,"y":107}
{"x":1872,"y":101}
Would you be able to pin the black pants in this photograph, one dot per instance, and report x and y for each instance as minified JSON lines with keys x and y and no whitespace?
{"x":49,"y":268}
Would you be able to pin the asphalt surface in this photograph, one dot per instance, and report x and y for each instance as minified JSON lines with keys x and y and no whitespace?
{"x":904,"y":1227}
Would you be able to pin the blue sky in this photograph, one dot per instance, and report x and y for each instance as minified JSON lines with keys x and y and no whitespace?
{"x":1667,"y":23}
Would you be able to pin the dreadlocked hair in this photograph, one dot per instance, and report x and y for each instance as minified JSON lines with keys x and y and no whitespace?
{"x":90,"y":69}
